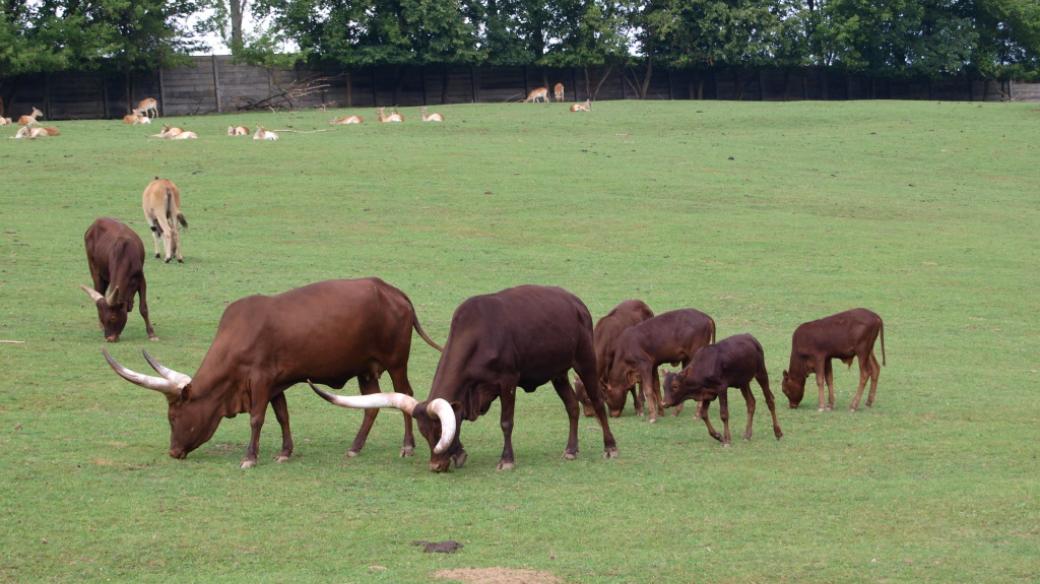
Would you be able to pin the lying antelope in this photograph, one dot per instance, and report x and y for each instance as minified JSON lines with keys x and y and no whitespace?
{"x":394,"y":117}
{"x":161,"y":202}
{"x":264,"y":134}
{"x":347,"y":120}
{"x":168,"y":132}
{"x":136,"y":118}
{"x":558,"y":92}
{"x":434,"y":117}
{"x":33,"y":133}
{"x":185,"y":135}
{"x":31,"y":118}
{"x":582,"y":107}
{"x":538,"y":94}
{"x":5,"y":121}
{"x":148,"y":105}
{"x":237,"y":131}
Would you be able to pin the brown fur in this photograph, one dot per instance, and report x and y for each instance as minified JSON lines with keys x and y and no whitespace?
{"x":31,"y":118}
{"x":605,"y":336}
{"x":538,"y":94}
{"x":161,"y":202}
{"x":115,"y":256}
{"x":147,"y":106}
{"x":558,"y":92}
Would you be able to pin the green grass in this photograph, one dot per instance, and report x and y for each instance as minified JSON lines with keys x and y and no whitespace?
{"x":763,"y":215}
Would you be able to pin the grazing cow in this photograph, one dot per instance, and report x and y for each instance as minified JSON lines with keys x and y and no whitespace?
{"x":538,"y":94}
{"x":347,"y":120}
{"x":732,"y":362}
{"x":31,"y":118}
{"x":330,"y":332}
{"x":237,"y":131}
{"x":672,"y":337}
{"x":846,"y":335}
{"x":148,"y":106}
{"x":385,"y":118}
{"x":434,"y":117}
{"x":115,"y":255}
{"x":263,"y":133}
{"x":558,"y":92}
{"x":161,"y":202}
{"x":605,"y":336}
{"x":524,"y":336}
{"x":581,"y":107}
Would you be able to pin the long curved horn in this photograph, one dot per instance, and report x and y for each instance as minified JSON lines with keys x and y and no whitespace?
{"x":94,"y":294}
{"x":443,"y":410}
{"x":164,"y":386}
{"x":403,"y":402}
{"x":175,"y":376}
{"x":111,"y":295}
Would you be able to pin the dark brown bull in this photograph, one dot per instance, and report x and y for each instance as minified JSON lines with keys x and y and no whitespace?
{"x":115,"y":255}
{"x":329,"y":332}
{"x":732,"y":362}
{"x":846,"y":335}
{"x":673,"y":337}
{"x":604,"y":336}
{"x":519,"y":337}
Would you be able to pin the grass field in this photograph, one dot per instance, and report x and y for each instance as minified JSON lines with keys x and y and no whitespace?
{"x":763,"y":215}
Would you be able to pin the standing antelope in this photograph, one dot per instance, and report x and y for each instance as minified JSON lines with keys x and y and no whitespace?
{"x":148,"y":105}
{"x":582,"y":107}
{"x":347,"y":120}
{"x":558,"y":92}
{"x":31,"y":118}
{"x":161,"y":202}
{"x":264,"y":134}
{"x":538,"y":94}
{"x":394,"y":117}
{"x":237,"y":131}
{"x":434,"y":117}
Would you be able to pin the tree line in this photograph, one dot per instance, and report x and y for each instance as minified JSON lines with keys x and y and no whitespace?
{"x":920,"y":38}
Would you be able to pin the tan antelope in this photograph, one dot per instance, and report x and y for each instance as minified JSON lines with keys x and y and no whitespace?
{"x":582,"y":107}
{"x":51,"y":131}
{"x":237,"y":131}
{"x":538,"y":94}
{"x":434,"y":117}
{"x":161,"y":202}
{"x":136,"y":117}
{"x":31,"y":118}
{"x":167,"y":132}
{"x":558,"y":92}
{"x":33,"y":133}
{"x":264,"y":134}
{"x":185,"y":135}
{"x":394,"y":117}
{"x":149,"y":105}
{"x":347,"y":120}
{"x":5,"y":121}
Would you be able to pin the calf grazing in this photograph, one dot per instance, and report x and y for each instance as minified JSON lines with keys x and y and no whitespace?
{"x":538,"y":94}
{"x":393,"y":118}
{"x":330,"y":331}
{"x":581,"y":107}
{"x":347,"y":120}
{"x":672,"y":337}
{"x":115,"y":255}
{"x":161,"y":202}
{"x":31,"y":118}
{"x":237,"y":131}
{"x":524,"y":336}
{"x":148,"y":106}
{"x":263,"y":133}
{"x":605,"y":336}
{"x":846,"y":335}
{"x":558,"y":92}
{"x":732,"y":362}
{"x":434,"y":117}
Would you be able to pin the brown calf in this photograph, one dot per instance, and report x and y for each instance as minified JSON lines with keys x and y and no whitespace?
{"x":161,"y":202}
{"x":605,"y":336}
{"x":846,"y":335}
{"x":115,"y":255}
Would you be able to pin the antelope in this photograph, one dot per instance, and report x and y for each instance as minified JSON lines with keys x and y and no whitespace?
{"x":33,"y":133}
{"x":264,"y":134}
{"x":161,"y":202}
{"x":538,"y":94}
{"x":147,"y":105}
{"x":237,"y":131}
{"x":434,"y":117}
{"x":167,"y":132}
{"x":347,"y":120}
{"x":394,"y":117}
{"x":185,"y":135}
{"x":31,"y":118}
{"x":51,"y":131}
{"x":558,"y":92}
{"x":136,"y":118}
{"x":5,"y":121}
{"x":582,"y":107}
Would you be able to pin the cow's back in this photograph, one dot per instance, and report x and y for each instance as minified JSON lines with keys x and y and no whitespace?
{"x":836,"y":334}
{"x":106,"y":235}
{"x":607,"y":330}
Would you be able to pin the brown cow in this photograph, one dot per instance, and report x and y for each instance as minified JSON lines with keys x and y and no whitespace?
{"x":846,"y":335}
{"x":605,"y":336}
{"x":732,"y":362}
{"x":519,"y":337}
{"x":115,"y":255}
{"x":672,"y":337}
{"x":329,"y":331}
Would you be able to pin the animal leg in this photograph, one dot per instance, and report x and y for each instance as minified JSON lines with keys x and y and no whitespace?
{"x":873,"y":379}
{"x":508,"y":399}
{"x":585,"y":367}
{"x":724,"y":414}
{"x":368,"y":385}
{"x":583,"y":397}
{"x":176,"y":238}
{"x":646,"y":384}
{"x":167,"y":237}
{"x":399,"y":377}
{"x":256,"y":422}
{"x":142,"y":292}
{"x":865,"y":370}
{"x":749,"y":401}
{"x":281,"y":413}
{"x":829,"y":374}
{"x":702,"y":413}
{"x":820,"y":376}
{"x":657,"y":391}
{"x":153,"y":226}
{"x":570,"y":403}
{"x":637,"y":401}
{"x":763,"y":382}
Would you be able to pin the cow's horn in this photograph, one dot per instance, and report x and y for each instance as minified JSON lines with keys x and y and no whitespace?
{"x":111,"y":295}
{"x":443,"y":410}
{"x":175,"y":376}
{"x":403,"y":402}
{"x":159,"y":384}
{"x":94,"y":294}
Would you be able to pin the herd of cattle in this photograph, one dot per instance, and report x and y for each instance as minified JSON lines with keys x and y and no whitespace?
{"x":331,"y":332}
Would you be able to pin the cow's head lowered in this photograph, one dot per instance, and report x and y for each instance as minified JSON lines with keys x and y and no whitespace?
{"x":192,"y":420}
{"x":437,"y":419}
{"x":794,"y":390}
{"x":112,"y":310}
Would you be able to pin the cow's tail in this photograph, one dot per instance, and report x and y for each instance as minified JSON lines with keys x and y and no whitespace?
{"x":712,"y":320}
{"x":419,"y":328}
{"x":170,"y":210}
{"x":883,"y":343}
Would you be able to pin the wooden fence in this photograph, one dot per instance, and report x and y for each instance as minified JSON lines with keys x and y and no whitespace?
{"x":218,"y":84}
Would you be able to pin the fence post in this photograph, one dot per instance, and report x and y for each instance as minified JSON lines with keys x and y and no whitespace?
{"x":216,"y":82}
{"x":162,"y":93}
{"x":47,"y":94}
{"x":350,"y":90}
{"x":473,"y":83}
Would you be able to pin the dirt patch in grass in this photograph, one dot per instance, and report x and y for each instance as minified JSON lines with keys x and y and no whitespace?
{"x":498,"y":576}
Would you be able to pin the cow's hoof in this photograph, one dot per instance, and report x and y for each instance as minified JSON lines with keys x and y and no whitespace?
{"x":459,"y":459}
{"x":282,"y":458}
{"x":717,"y":436}
{"x":747,"y":436}
{"x":653,"y":420}
{"x":166,"y":261}
{"x":726,"y":444}
{"x":180,"y":260}
{"x":407,"y":451}
{"x":247,"y":463}
{"x":778,"y":434}
{"x":610,"y":453}
{"x":153,"y":338}
{"x":821,"y":409}
{"x":503,"y":465}
{"x":570,"y":455}
{"x":352,"y":453}
{"x":156,"y":256}
{"x":852,"y":409}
